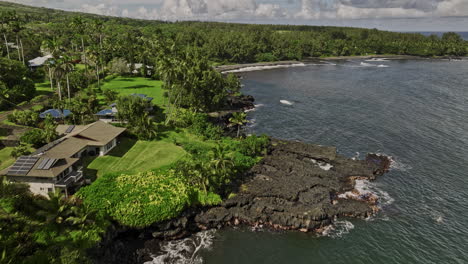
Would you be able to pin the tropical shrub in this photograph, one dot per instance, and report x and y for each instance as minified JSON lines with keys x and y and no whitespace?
{"x":21,"y":150}
{"x":138,"y":200}
{"x":24,"y":118}
{"x":34,"y":137}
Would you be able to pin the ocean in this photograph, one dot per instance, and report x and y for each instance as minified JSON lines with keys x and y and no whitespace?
{"x":415,"y":111}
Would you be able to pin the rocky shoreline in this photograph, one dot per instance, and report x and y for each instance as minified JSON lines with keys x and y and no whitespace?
{"x":297,"y":186}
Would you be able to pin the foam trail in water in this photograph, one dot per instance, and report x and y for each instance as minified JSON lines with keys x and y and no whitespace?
{"x":266,"y":67}
{"x":184,"y":251}
{"x":378,"y":59}
{"x":286,"y":102}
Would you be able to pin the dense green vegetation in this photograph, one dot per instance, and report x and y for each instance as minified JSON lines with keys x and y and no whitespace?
{"x":39,"y":230}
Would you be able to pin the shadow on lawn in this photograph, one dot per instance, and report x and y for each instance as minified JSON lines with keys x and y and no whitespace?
{"x":138,"y":86}
{"x":123,"y":146}
{"x":126,"y":80}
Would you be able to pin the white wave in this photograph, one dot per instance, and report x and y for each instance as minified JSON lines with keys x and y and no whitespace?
{"x":255,"y":108}
{"x":266,"y":67}
{"x":184,"y":251}
{"x":338,"y":229}
{"x":356,"y":156}
{"x":365,"y":188}
{"x":252,"y":123}
{"x":323,"y":165}
{"x":378,"y":59}
{"x":395,"y":163}
{"x":286,"y":102}
{"x":364,"y":64}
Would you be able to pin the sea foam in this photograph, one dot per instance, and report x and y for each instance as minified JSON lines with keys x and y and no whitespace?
{"x":338,"y":229}
{"x":184,"y":251}
{"x":265,"y":67}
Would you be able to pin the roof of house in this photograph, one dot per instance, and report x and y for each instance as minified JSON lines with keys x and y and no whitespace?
{"x":66,"y":148}
{"x":55,"y":113}
{"x":106,"y":112}
{"x":67,"y":129}
{"x":98,"y":133}
{"x":39,"y":61}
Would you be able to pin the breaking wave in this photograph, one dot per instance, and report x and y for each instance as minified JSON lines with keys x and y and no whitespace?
{"x":378,"y":59}
{"x":338,"y":229}
{"x":266,"y":67}
{"x":255,"y":108}
{"x":365,"y":64}
{"x":184,"y":251}
{"x":365,"y":188}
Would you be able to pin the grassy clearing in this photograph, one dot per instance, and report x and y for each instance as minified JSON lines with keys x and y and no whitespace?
{"x":5,"y":159}
{"x":132,"y":156}
{"x":43,"y":88}
{"x":130,"y":85}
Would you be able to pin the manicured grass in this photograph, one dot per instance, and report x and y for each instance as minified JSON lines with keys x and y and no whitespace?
{"x":130,"y":85}
{"x":5,"y":159}
{"x":43,"y":88}
{"x":132,"y":156}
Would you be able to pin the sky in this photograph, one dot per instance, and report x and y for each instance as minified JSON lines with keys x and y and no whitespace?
{"x":395,"y":15}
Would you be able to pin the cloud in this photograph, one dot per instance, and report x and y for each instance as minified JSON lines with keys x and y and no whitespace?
{"x":273,"y":11}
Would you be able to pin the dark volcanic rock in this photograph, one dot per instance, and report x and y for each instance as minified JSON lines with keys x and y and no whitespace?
{"x":296,"y":187}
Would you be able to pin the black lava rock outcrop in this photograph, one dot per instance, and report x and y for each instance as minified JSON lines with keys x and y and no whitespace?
{"x":297,"y":186}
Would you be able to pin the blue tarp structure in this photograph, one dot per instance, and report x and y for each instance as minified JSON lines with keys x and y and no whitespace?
{"x":56,"y":113}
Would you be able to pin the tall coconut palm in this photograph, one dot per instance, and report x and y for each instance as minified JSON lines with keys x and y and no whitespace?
{"x":79,"y":24}
{"x":238,"y":119}
{"x":68,"y":67}
{"x":59,"y":73}
{"x":5,"y":28}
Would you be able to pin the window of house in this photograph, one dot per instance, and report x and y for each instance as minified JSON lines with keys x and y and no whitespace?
{"x":50,"y":190}
{"x":41,"y":189}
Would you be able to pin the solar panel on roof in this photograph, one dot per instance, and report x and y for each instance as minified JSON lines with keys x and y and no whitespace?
{"x":50,"y":163}
{"x":43,"y":163}
{"x":23,"y":165}
{"x":70,"y":129}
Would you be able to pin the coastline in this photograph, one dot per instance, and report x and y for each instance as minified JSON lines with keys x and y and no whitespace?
{"x":238,"y":68}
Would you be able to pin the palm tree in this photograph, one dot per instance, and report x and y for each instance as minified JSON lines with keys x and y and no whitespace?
{"x":59,"y":73}
{"x":4,"y":22}
{"x":221,"y":166}
{"x":79,"y":24}
{"x":238,"y":119}
{"x":67,"y":67}
{"x":53,"y":47}
{"x":55,"y":210}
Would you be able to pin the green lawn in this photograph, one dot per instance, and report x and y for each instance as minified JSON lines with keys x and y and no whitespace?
{"x":130,"y":85}
{"x":43,"y":88}
{"x":5,"y":159}
{"x":132,"y":156}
